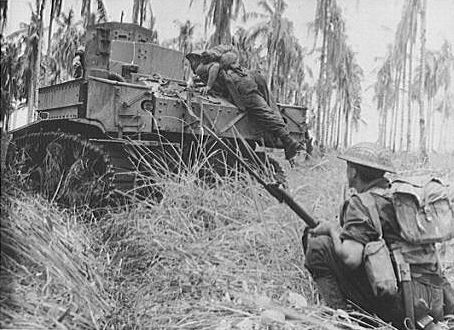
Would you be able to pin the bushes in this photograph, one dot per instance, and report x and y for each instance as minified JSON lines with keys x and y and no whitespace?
{"x":205,"y":257}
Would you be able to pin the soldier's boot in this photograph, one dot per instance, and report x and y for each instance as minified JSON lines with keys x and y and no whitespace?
{"x":291,"y":147}
{"x":330,"y":292}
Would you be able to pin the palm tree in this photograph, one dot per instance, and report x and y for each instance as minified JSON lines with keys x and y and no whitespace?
{"x":67,"y":38}
{"x":140,"y":16}
{"x":445,"y":67}
{"x":90,"y":18}
{"x":219,"y":15}
{"x":55,"y":9}
{"x":185,"y":36}
{"x":413,"y":18}
{"x":422,"y":121}
{"x":10,"y":84}
{"x":85,"y":12}
{"x":139,"y":11}
{"x":275,"y":31}
{"x":3,"y":14}
{"x":249,"y":53}
{"x":31,"y":58}
{"x":384,"y":95}
{"x":339,"y":77}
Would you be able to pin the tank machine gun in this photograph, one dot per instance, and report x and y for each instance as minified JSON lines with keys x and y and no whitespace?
{"x":132,"y":92}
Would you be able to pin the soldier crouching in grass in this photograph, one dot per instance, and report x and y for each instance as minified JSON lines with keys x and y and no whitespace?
{"x":407,"y":288}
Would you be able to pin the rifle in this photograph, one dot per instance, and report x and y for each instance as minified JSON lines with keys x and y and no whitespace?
{"x":273,"y":188}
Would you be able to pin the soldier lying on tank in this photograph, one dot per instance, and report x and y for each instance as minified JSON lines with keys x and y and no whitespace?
{"x":230,"y":80}
{"x":79,"y":62}
{"x":336,"y":253}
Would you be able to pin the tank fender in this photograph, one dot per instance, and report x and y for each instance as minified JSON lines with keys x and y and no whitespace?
{"x":85,"y":127}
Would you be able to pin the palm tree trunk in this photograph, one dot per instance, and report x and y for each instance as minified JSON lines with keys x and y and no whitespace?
{"x":346,"y":122}
{"x":321,"y":80}
{"x":410,"y":91}
{"x":422,"y":122}
{"x":328,"y":114}
{"x":271,"y":70}
{"x":402,"y":112}
{"x":429,"y":122}
{"x":34,"y":82}
{"x":432,"y":125}
{"x":396,"y":105}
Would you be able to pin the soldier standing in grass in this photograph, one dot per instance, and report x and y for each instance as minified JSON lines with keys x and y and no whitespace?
{"x":340,"y":257}
{"x":219,"y":70}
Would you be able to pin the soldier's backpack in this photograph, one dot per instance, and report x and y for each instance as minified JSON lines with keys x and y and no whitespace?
{"x":425,"y":214}
{"x":424,"y":210}
{"x":225,"y":55}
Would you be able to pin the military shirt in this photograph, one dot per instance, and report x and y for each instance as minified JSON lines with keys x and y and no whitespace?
{"x":357,"y":225}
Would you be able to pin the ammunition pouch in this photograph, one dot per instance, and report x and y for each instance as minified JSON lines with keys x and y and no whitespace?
{"x":376,"y":257}
{"x":379,"y":268}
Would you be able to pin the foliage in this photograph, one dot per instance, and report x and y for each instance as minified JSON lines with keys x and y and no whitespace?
{"x":219,"y":14}
{"x":67,"y":38}
{"x":398,"y":80}
{"x":204,"y":257}
{"x":3,"y":14}
{"x":11,"y":84}
{"x":339,"y":78}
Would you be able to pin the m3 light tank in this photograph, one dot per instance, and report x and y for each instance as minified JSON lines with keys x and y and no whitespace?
{"x":131,"y":108}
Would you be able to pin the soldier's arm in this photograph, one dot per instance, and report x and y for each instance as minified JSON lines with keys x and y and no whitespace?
{"x":350,"y":252}
{"x":212,"y":75}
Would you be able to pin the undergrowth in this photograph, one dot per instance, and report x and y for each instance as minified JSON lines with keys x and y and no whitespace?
{"x":218,"y":256}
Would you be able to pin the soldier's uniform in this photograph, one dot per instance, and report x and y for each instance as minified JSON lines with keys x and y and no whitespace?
{"x":432,"y":293}
{"x":247,"y":91}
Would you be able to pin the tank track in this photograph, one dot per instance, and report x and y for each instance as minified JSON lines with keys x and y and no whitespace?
{"x":62,"y":167}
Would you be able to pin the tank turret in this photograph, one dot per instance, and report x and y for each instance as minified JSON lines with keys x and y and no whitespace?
{"x":127,"y":50}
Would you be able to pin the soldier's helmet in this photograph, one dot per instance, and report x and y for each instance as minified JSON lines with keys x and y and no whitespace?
{"x":80,"y":51}
{"x":194,"y":55}
{"x":369,"y":155}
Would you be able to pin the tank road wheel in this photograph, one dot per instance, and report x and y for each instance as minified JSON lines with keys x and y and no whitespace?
{"x":62,"y":167}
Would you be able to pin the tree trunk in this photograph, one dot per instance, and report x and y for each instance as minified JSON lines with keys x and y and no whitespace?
{"x":432,"y":126}
{"x":321,"y":78}
{"x":346,"y":122}
{"x":31,"y":96}
{"x":429,"y":122}
{"x":410,"y":91}
{"x":402,"y":112}
{"x":326,"y":114}
{"x":396,"y":107}
{"x":38,"y":56}
{"x":49,"y":38}
{"x":422,"y":122}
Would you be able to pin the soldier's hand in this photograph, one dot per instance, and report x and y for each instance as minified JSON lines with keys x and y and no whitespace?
{"x":205,"y":90}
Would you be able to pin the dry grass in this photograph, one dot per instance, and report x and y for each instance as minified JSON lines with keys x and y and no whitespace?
{"x":49,"y":273}
{"x":205,"y":257}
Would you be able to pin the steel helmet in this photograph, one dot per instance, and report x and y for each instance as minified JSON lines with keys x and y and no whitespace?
{"x":370,"y":155}
{"x":194,"y":55}
{"x":80,"y":50}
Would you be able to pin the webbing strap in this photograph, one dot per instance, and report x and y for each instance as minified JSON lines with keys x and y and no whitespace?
{"x":369,"y":202}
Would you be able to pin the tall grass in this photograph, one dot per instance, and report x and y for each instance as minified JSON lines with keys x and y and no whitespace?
{"x":208,"y":256}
